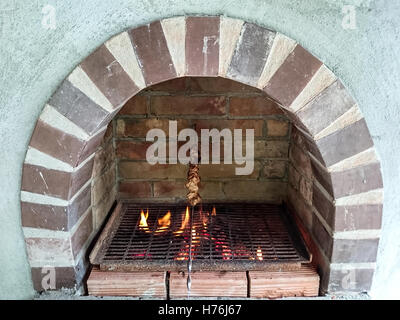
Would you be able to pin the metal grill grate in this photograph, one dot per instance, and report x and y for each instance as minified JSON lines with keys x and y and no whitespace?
{"x":235,"y":237}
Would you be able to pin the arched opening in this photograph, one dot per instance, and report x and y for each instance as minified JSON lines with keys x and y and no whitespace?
{"x":334,"y":185}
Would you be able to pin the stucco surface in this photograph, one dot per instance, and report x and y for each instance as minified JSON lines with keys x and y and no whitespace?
{"x":34,"y":61}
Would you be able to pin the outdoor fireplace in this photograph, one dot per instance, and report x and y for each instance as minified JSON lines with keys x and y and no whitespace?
{"x":312,"y":152}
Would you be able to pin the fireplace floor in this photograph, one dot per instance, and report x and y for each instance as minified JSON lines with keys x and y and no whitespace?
{"x":222,"y":237}
{"x":238,"y":250}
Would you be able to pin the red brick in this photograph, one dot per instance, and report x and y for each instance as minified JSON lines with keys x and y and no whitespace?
{"x":103,"y":158}
{"x":300,"y":207}
{"x":153,"y":54}
{"x":345,"y":143}
{"x":211,"y":190}
{"x":132,"y":189}
{"x":103,"y":184}
{"x":253,"y":106}
{"x":61,"y":146}
{"x":44,"y":216}
{"x":271,"y":149}
{"x":135,"y":106}
{"x":218,"y":85}
{"x":182,"y":105}
{"x":367,"y":216}
{"x":109,"y":76}
{"x":170,"y":189}
{"x":82,"y":234}
{"x":144,"y":170}
{"x":250,"y":56}
{"x":202,"y":46}
{"x":323,"y":177}
{"x":227,"y":171}
{"x":267,"y":191}
{"x":294,"y":177}
{"x":91,"y":146}
{"x":292,"y":76}
{"x":174,"y":85}
{"x":138,"y":128}
{"x":357,"y":180}
{"x":108,"y":134}
{"x":322,"y":236}
{"x":208,"y":189}
{"x":306,"y":190}
{"x":274,"y":169}
{"x":257,"y":125}
{"x":132,"y":150}
{"x":355,"y":250}
{"x":277,"y":128}
{"x":323,"y":205}
{"x":46,"y":181}
{"x":301,"y":161}
{"x":80,"y":109}
{"x":329,"y":105}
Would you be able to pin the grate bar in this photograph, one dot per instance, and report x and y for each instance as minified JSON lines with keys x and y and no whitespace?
{"x":238,"y":237}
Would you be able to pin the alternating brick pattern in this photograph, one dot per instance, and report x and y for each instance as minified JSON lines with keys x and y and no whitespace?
{"x":334,"y":179}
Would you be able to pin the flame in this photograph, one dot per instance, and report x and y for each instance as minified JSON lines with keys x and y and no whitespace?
{"x":199,"y":233}
{"x":143,"y":221}
{"x":259,"y":254}
{"x":185,"y":221}
{"x":164,"y":223}
{"x":204,"y":217}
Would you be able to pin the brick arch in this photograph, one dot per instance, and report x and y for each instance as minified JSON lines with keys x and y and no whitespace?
{"x":347,"y":186}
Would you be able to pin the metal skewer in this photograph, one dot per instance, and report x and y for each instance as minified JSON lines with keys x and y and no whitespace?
{"x":189,"y":266}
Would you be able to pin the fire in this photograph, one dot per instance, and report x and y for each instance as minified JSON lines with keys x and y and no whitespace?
{"x":183,"y":254}
{"x":259,"y":254}
{"x":204,"y":218}
{"x":143,"y":221}
{"x":164,"y":223}
{"x":185,"y":221}
{"x":192,"y":239}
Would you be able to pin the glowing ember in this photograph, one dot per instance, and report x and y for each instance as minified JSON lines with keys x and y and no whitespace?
{"x":184,"y":252}
{"x":199,"y":234}
{"x":259,"y":254}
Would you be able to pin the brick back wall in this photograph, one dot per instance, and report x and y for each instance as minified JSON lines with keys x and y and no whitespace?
{"x":201,"y":103}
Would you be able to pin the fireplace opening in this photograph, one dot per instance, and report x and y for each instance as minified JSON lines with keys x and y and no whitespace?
{"x":243,"y":222}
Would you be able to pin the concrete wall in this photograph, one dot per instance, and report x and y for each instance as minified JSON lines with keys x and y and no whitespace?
{"x":35,"y":60}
